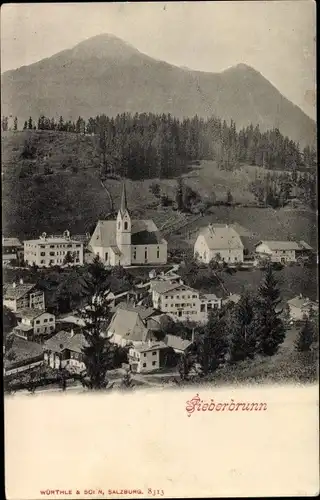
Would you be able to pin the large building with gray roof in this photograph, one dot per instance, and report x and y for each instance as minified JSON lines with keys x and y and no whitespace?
{"x":126,"y":241}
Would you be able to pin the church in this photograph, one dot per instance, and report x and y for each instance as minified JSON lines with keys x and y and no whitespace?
{"x":128,"y":242}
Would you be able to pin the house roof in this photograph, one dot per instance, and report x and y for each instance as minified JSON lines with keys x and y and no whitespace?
{"x":305,"y":245}
{"x":151,"y":346}
{"x":52,"y":240}
{"x":11,"y":242}
{"x":23,"y":327}
{"x":16,"y":292}
{"x":24,"y":350}
{"x":58,"y":342}
{"x":144,"y":312}
{"x":208,"y":296}
{"x":76,"y":343}
{"x":124,"y":322}
{"x":143,"y":232}
{"x":282,"y":245}
{"x":72,"y":320}
{"x":165,"y":286}
{"x":301,"y":302}
{"x":176,"y":342}
{"x":221,"y":236}
{"x":29,"y":313}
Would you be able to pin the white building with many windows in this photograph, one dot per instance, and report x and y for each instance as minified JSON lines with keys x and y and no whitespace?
{"x":53,"y":251}
{"x":221,"y":242}
{"x":181,"y":301}
{"x":128,"y":242}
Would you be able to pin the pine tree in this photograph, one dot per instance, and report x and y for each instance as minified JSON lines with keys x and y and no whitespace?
{"x":25,"y":125}
{"x":242,"y":334}
{"x":98,"y":354}
{"x":212,"y":344}
{"x":179,"y":195}
{"x":15,"y":123}
{"x":270,"y":327}
{"x":30,"y":124}
{"x":305,"y":337}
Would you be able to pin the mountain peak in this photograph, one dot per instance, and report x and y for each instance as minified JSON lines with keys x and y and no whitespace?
{"x":104,"y":45}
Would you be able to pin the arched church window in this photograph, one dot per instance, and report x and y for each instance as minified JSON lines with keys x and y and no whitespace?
{"x":125,"y":226}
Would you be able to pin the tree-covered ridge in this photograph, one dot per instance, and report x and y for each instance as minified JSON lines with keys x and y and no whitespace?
{"x":147,"y":145}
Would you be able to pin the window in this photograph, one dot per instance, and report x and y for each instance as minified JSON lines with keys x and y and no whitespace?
{"x":38,"y":330}
{"x":158,"y":253}
{"x":134,"y":255}
{"x":45,"y":321}
{"x":51,"y":246}
{"x":153,"y":363}
{"x":144,"y":354}
{"x":78,"y":246}
{"x":236,"y":258}
{"x":41,"y":261}
{"x":51,"y":327}
{"x":51,"y":254}
{"x":37,"y":321}
{"x":42,"y":254}
{"x":146,"y":254}
{"x":42,"y":246}
{"x":106,"y":256}
{"x":167,"y":296}
{"x":144,"y":365}
{"x":182,"y":296}
{"x":125,"y":226}
{"x":154,"y":353}
{"x":202,"y":308}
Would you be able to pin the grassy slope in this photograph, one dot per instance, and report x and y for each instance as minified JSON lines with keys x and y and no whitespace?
{"x":72,"y":196}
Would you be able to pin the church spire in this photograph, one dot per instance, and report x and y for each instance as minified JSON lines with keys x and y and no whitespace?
{"x":123,"y":204}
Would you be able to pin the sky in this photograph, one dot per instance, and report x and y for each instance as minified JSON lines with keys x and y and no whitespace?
{"x":277,"y":38}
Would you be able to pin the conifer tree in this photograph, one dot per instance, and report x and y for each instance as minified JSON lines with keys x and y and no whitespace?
{"x":15,"y":123}
{"x":243,"y":334}
{"x":30,"y":123}
{"x":212,"y":343}
{"x":305,"y":337}
{"x":270,"y":327}
{"x":98,"y":353}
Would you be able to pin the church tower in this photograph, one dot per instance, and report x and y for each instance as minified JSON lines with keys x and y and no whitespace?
{"x":123,"y":230}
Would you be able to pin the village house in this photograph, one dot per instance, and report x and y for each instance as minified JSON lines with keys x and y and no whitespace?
{"x":64,"y":350}
{"x":19,"y":296}
{"x":179,"y":345}
{"x":128,"y":242}
{"x":182,"y":301}
{"x":22,"y":356}
{"x":35,"y":324}
{"x":301,"y":306}
{"x":12,"y":250}
{"x":220,"y":242}
{"x":53,"y":251}
{"x":150,"y":356}
{"x":282,"y":251}
{"x":128,"y":326}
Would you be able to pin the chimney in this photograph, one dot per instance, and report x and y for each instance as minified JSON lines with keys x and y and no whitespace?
{"x":14,"y":284}
{"x":21,"y":281}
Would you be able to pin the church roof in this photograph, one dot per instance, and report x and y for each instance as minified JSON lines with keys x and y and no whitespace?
{"x":143,"y":232}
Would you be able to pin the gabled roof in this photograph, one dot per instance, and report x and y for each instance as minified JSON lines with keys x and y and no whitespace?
{"x":166,"y":286}
{"x":16,"y":292}
{"x":76,"y":343}
{"x":221,"y":237}
{"x":152,"y":346}
{"x":177,"y":343}
{"x":24,"y":350}
{"x":58,"y":342}
{"x":31,"y":313}
{"x":282,"y":245}
{"x":124,"y":324}
{"x":143,"y":232}
{"x":302,"y":302}
{"x":144,"y":312}
{"x":11,"y":242}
